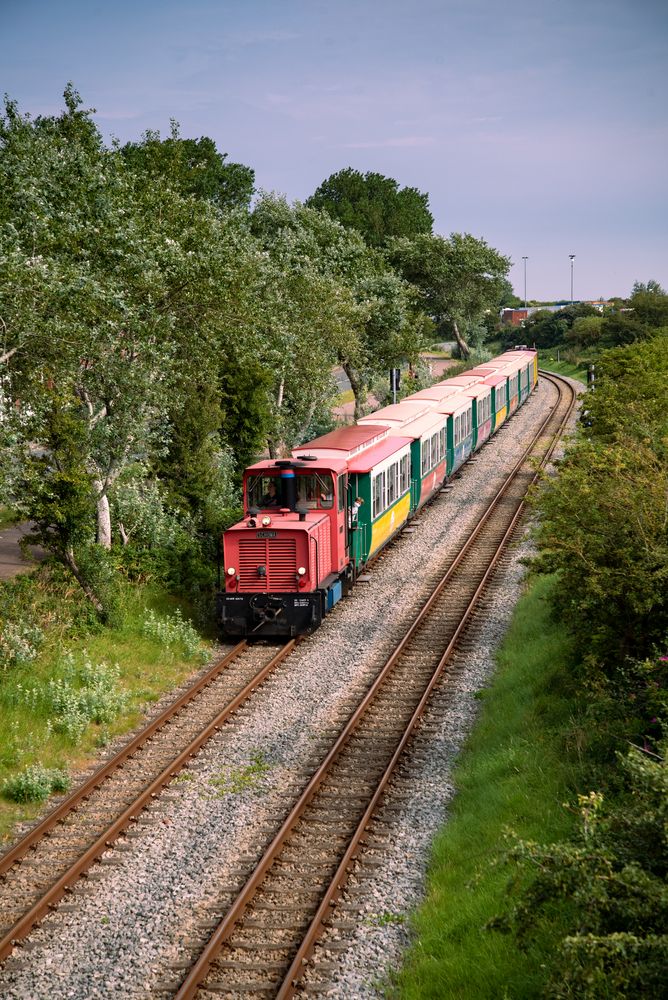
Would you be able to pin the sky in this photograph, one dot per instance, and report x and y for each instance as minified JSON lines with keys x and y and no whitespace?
{"x":539,"y":126}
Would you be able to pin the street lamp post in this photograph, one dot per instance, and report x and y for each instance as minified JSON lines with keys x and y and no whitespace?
{"x":525,"y":259}
{"x":572,"y":258}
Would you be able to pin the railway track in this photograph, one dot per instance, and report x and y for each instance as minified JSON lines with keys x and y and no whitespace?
{"x":36,"y":873}
{"x":261,"y":942}
{"x":41,"y":867}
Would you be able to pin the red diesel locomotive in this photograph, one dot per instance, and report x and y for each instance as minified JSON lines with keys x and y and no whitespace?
{"x":313,"y":521}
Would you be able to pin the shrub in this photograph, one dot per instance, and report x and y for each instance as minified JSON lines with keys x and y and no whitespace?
{"x":19,"y":643}
{"x":87,"y":693}
{"x":611,"y":877}
{"x":35,"y":783}
{"x":172,"y":631}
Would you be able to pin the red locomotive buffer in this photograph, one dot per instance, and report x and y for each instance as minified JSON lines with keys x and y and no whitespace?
{"x":283,"y":561}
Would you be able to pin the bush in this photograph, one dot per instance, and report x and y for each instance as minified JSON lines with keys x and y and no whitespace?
{"x":84,"y":694}
{"x":19,"y":643}
{"x":602,"y":894}
{"x":173,"y":631}
{"x":611,"y":879}
{"x":35,"y":784}
{"x":87,"y":693}
{"x":603,"y":517}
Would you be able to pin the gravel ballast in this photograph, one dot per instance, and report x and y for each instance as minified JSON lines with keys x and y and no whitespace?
{"x":122,"y":929}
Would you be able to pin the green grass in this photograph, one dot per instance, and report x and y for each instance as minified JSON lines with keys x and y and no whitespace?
{"x":436,"y":352}
{"x":548,"y":361}
{"x":8,"y":517}
{"x":345,"y":397}
{"x":30,"y":725}
{"x":514,"y":774}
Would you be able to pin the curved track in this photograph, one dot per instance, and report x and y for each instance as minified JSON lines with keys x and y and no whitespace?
{"x":262,"y":942}
{"x":262,"y":936}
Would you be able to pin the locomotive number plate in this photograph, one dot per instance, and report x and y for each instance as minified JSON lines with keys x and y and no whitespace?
{"x":266,"y":534}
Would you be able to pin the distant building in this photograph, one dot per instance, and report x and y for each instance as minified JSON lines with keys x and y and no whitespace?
{"x":514,"y":317}
{"x":517,"y":317}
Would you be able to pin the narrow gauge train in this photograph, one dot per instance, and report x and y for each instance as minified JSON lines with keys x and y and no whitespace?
{"x":313,"y":521}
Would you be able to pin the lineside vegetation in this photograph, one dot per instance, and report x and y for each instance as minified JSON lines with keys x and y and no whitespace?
{"x":159,"y":331}
{"x":584,"y":911}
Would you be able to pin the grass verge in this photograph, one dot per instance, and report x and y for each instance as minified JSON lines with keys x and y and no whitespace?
{"x":517,"y":769}
{"x":82,"y":687}
{"x":549,"y":362}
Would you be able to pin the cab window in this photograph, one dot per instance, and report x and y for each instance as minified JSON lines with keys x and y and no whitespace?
{"x":264,"y":492}
{"x":316,"y":490}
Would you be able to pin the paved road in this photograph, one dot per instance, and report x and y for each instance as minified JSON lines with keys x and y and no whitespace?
{"x":11,"y":557}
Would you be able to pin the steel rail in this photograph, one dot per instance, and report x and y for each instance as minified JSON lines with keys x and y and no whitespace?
{"x":197,"y":973}
{"x":69,"y":804}
{"x":22,"y":927}
{"x":292,"y":978}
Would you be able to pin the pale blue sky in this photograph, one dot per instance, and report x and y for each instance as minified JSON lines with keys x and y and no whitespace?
{"x":538,"y":125}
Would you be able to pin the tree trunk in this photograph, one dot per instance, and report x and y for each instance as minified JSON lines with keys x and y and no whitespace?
{"x":359,"y":389}
{"x":276,"y":446}
{"x":103,"y":519}
{"x":307,"y":422}
{"x":85,"y":586}
{"x":464,"y":348}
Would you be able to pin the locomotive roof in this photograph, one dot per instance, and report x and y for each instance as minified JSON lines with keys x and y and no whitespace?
{"x":330,"y":463}
{"x":368,"y":459}
{"x":344,"y":442}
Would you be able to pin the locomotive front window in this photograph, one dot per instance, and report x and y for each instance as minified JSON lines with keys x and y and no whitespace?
{"x":316,"y":490}
{"x":264,"y":491}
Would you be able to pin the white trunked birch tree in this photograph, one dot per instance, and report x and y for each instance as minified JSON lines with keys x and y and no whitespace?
{"x":104,"y":275}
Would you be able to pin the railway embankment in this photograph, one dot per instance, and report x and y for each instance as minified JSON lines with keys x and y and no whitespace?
{"x":167,"y":856}
{"x":550,"y":877}
{"x":512,"y":781}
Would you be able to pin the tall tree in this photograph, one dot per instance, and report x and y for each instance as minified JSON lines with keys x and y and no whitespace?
{"x":650,"y":304}
{"x":193,"y":167}
{"x":103,"y":280}
{"x":374,"y":205}
{"x":459,"y":277}
{"x":363,"y":314}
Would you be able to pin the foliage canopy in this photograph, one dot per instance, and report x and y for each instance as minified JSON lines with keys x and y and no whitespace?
{"x":374,"y":205}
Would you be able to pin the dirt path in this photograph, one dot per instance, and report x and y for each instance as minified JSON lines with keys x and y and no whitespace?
{"x":11,"y":557}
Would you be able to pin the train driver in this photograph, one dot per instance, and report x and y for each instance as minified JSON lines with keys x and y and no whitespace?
{"x":271,"y":498}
